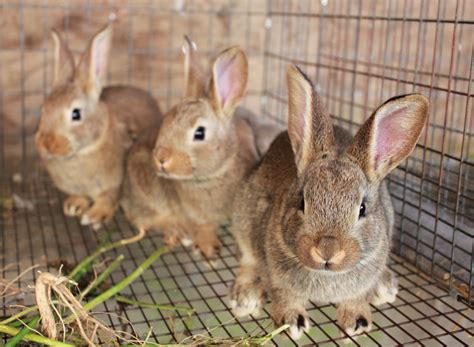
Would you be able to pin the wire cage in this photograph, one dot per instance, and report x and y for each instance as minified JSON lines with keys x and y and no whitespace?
{"x":359,"y":53}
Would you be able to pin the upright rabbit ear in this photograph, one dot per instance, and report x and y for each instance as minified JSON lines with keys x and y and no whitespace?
{"x":389,"y":135}
{"x":63,"y":61}
{"x":194,"y":76}
{"x":309,"y":125}
{"x":229,"y":80}
{"x":95,"y":60}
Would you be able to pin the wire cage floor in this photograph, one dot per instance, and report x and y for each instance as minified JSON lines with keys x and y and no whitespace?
{"x":423,"y":314}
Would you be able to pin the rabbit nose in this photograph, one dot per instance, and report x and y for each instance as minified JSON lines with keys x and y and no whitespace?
{"x":328,"y":252}
{"x":51,"y":143}
{"x":162,"y":156}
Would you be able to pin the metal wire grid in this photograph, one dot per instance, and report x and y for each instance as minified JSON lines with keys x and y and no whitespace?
{"x":146,"y":52}
{"x":423,"y":314}
{"x":360,"y":53}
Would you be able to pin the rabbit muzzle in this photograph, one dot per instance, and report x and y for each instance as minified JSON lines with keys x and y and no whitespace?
{"x":51,"y":144}
{"x":172,"y":163}
{"x":328,"y":253}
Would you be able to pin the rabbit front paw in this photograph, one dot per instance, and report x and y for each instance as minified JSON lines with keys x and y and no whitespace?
{"x":297,"y":319}
{"x":355,"y":321}
{"x":172,"y":239}
{"x":246,"y":298}
{"x":207,"y":242}
{"x":97,"y":215}
{"x":386,"y":291}
{"x":75,"y":205}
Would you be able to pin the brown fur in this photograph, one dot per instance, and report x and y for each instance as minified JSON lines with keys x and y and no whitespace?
{"x":86,"y":158}
{"x":186,"y":187}
{"x":297,"y":222}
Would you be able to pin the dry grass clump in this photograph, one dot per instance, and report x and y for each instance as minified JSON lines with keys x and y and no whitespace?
{"x":65,"y":315}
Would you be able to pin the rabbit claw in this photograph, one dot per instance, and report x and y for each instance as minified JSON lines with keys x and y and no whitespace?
{"x":186,"y":241}
{"x":97,"y":215}
{"x":75,"y":205}
{"x":171,"y":240}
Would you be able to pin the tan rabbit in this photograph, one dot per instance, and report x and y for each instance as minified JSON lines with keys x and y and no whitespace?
{"x":315,"y":218}
{"x":85,"y":129}
{"x":181,"y":177}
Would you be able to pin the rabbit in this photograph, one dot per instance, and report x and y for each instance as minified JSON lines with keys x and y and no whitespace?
{"x":314,"y":219}
{"x":181,"y":176}
{"x":86,"y":129}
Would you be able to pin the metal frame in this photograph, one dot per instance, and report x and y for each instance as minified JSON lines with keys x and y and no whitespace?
{"x":424,"y":46}
{"x":433,"y":191}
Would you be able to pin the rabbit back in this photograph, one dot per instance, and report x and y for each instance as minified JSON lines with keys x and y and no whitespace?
{"x":134,"y":108}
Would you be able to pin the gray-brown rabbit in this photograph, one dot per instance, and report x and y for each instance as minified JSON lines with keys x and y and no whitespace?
{"x":181,"y":177}
{"x":85,"y":130}
{"x":315,"y":219}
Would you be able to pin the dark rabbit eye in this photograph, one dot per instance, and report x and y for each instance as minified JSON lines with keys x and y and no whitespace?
{"x":199,"y":134}
{"x":362,"y":210}
{"x":76,"y":114}
{"x":301,"y":207}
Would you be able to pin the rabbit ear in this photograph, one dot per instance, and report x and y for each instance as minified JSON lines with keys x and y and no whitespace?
{"x":194,"y":77}
{"x":63,"y":60}
{"x":229,"y":80}
{"x":309,"y":125}
{"x":389,"y":135}
{"x":95,"y":60}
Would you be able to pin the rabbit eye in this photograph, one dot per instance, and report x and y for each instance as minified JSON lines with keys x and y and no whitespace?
{"x":362,"y":210}
{"x":199,"y":134}
{"x":76,"y":114}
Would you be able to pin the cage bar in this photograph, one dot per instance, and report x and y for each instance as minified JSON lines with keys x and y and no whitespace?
{"x":358,"y":53}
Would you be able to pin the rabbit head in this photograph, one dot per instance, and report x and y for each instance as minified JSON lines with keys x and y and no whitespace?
{"x":335,"y":218}
{"x":72,"y":117}
{"x":198,"y":135}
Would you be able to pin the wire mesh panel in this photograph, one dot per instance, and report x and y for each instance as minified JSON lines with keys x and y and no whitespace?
{"x":358,"y":53}
{"x":146,"y":52}
{"x":361,"y":53}
{"x":423,"y":313}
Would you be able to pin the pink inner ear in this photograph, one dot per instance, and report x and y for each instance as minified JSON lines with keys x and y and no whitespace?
{"x":99,"y":57}
{"x":227,"y":77}
{"x":390,"y":136}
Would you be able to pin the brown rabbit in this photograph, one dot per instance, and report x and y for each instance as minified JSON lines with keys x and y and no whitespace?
{"x":181,"y":177}
{"x":85,"y":129}
{"x":315,"y":218}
